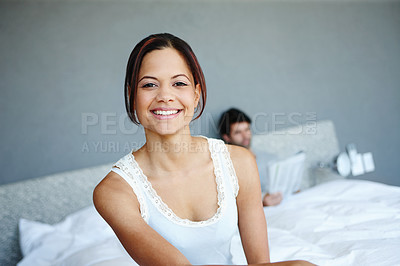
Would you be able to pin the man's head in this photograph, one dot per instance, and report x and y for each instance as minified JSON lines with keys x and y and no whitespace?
{"x":234,"y":128}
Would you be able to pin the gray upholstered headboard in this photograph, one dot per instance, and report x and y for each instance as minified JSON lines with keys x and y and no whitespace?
{"x":318,"y":140}
{"x":46,"y":199}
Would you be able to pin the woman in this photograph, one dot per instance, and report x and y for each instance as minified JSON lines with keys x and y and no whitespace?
{"x":179,"y":199}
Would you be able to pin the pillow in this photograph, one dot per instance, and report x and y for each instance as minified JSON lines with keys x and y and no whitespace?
{"x":83,"y":238}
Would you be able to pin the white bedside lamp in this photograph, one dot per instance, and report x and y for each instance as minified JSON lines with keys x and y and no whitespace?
{"x":351,"y":162}
{"x":341,"y":164}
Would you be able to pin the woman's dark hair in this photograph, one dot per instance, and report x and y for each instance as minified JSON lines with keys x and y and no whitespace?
{"x":158,"y":42}
{"x":230,"y":117}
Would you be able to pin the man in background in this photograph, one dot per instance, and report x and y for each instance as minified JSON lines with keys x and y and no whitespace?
{"x":234,"y":127}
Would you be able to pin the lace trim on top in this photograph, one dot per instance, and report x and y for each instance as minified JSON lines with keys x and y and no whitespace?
{"x":232,"y":172}
{"x":166,"y":211}
{"x":127,"y":170}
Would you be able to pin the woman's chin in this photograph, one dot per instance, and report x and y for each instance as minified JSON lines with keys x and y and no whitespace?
{"x":166,"y":131}
{"x":164,"y":128}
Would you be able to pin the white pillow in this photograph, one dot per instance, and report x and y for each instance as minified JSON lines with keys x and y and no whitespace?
{"x":83,"y":238}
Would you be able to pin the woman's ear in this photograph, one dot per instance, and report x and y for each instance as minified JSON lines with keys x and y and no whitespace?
{"x":197,"y":93}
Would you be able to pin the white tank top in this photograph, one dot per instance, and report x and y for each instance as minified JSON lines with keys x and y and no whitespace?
{"x":213,"y":241}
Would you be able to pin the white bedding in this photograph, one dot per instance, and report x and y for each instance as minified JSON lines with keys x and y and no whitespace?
{"x":346,"y":222}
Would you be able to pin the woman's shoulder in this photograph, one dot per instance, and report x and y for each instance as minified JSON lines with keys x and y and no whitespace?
{"x":110,"y":185}
{"x":240,"y":154}
{"x":111,"y":192}
{"x":244,"y":164}
{"x":113,"y":184}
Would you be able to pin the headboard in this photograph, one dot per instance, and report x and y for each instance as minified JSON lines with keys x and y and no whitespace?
{"x":46,"y":199}
{"x":317,"y":140}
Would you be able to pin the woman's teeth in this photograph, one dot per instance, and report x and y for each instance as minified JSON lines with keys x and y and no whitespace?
{"x":171,"y":112}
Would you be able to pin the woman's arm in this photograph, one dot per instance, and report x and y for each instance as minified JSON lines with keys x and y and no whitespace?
{"x":116,"y":202}
{"x":252,"y":223}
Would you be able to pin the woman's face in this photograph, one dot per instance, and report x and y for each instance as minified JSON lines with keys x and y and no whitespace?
{"x":166,"y":93}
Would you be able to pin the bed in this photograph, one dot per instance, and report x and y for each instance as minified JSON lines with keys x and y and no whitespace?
{"x":333,"y":221}
{"x":343,"y":222}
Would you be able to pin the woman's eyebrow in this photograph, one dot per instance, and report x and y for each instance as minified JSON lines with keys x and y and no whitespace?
{"x":147,"y":77}
{"x":180,"y":75}
{"x":150,"y":77}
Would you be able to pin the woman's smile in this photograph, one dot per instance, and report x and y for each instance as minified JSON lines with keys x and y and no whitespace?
{"x":165,"y":113}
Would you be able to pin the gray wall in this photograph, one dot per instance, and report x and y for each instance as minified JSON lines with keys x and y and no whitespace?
{"x":62,"y":67}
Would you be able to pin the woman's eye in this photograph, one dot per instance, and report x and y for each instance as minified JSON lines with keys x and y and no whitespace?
{"x":148,"y":85}
{"x":180,"y":83}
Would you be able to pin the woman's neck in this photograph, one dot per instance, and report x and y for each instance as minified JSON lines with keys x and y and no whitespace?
{"x":171,"y":152}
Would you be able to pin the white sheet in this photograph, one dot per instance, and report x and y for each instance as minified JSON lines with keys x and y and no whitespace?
{"x":345,"y":222}
{"x":83,"y":238}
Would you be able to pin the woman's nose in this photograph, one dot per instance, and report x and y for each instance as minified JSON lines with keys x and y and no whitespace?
{"x":165,"y":94}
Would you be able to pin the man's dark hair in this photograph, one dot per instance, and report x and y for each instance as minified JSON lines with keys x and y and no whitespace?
{"x":230,"y":117}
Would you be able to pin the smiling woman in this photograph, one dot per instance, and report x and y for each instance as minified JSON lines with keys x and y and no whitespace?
{"x":180,"y":199}
{"x":166,"y":94}
{"x":158,"y":42}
